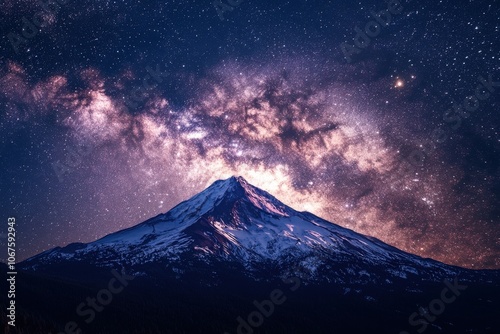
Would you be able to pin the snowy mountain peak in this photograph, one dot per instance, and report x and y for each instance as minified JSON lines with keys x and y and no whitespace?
{"x":236,"y":192}
{"x":234,"y":221}
{"x":236,"y":180}
{"x":235,"y":186}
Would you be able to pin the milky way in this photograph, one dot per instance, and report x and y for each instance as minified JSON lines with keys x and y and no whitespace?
{"x":98,"y":138}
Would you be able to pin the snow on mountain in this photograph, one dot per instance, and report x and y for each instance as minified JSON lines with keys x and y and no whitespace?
{"x":234,"y":221}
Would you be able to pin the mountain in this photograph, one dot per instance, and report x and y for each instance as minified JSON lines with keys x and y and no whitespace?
{"x":211,"y":262}
{"x":232,"y":221}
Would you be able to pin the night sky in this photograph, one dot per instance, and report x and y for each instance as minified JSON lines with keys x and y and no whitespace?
{"x":112,"y":112}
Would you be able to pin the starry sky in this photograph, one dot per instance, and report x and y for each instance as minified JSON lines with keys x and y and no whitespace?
{"x":380,"y":117}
